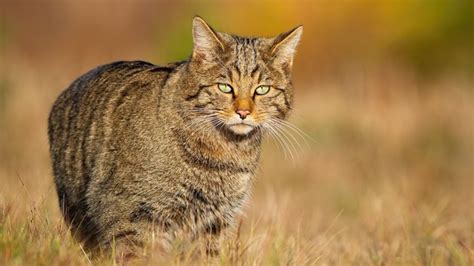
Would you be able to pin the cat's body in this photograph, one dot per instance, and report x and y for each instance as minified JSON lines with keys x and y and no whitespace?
{"x":136,"y":147}
{"x":131,"y":155}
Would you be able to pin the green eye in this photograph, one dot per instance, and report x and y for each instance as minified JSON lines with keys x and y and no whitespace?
{"x":225,"y":88}
{"x":261,"y":90}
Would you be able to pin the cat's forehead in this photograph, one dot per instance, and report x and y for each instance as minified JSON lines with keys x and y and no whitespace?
{"x":248,"y":47}
{"x":246,"y":54}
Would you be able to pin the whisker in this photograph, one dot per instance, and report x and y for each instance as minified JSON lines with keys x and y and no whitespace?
{"x":276,"y":139}
{"x":297,"y":130}
{"x":269,"y":129}
{"x":286,"y":140}
{"x":285,"y":132}
{"x":278,"y":136}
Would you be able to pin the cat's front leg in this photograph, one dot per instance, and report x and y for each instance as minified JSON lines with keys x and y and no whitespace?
{"x":213,"y":237}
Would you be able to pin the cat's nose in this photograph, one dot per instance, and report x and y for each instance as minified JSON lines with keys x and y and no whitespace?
{"x":243,"y":113}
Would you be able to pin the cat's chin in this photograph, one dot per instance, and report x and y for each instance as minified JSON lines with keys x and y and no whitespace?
{"x":241,"y":129}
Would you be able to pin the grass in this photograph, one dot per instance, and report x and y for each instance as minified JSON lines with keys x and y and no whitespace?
{"x":386,"y":230}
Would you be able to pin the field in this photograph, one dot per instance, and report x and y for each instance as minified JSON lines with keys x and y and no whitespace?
{"x":381,"y":173}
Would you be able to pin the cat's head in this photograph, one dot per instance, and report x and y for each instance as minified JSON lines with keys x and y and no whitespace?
{"x":240,"y":84}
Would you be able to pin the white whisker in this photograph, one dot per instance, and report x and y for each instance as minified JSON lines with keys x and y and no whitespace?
{"x":285,"y":132}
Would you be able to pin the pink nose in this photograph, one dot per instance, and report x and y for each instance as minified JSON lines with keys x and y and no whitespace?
{"x":243,"y":113}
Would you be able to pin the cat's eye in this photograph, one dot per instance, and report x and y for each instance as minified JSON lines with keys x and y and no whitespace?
{"x":261,"y":90}
{"x":225,"y":88}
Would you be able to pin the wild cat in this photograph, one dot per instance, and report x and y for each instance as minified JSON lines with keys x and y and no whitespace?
{"x":140,"y":148}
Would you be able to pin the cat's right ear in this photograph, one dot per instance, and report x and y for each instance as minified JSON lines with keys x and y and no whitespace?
{"x":284,"y":47}
{"x":206,"y":42}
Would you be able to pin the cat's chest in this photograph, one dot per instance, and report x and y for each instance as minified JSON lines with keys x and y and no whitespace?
{"x":228,"y":191}
{"x":227,"y":199}
{"x":243,"y":183}
{"x":233,"y":184}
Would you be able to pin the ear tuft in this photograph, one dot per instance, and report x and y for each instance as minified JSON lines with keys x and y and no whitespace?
{"x":284,"y":46}
{"x":205,"y":39}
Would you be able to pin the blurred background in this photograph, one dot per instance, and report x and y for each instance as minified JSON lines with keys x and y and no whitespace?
{"x":384,"y":170}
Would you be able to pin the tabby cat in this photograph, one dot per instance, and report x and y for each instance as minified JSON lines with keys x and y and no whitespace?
{"x":139,"y":148}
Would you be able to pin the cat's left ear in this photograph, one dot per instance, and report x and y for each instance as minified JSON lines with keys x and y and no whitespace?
{"x":207,"y":44}
{"x":284,"y":47}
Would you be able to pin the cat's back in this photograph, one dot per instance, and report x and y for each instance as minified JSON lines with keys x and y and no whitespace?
{"x":91,"y":116}
{"x":102,"y":82}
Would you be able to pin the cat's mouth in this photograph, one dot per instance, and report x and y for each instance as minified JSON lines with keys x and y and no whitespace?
{"x":241,"y":128}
